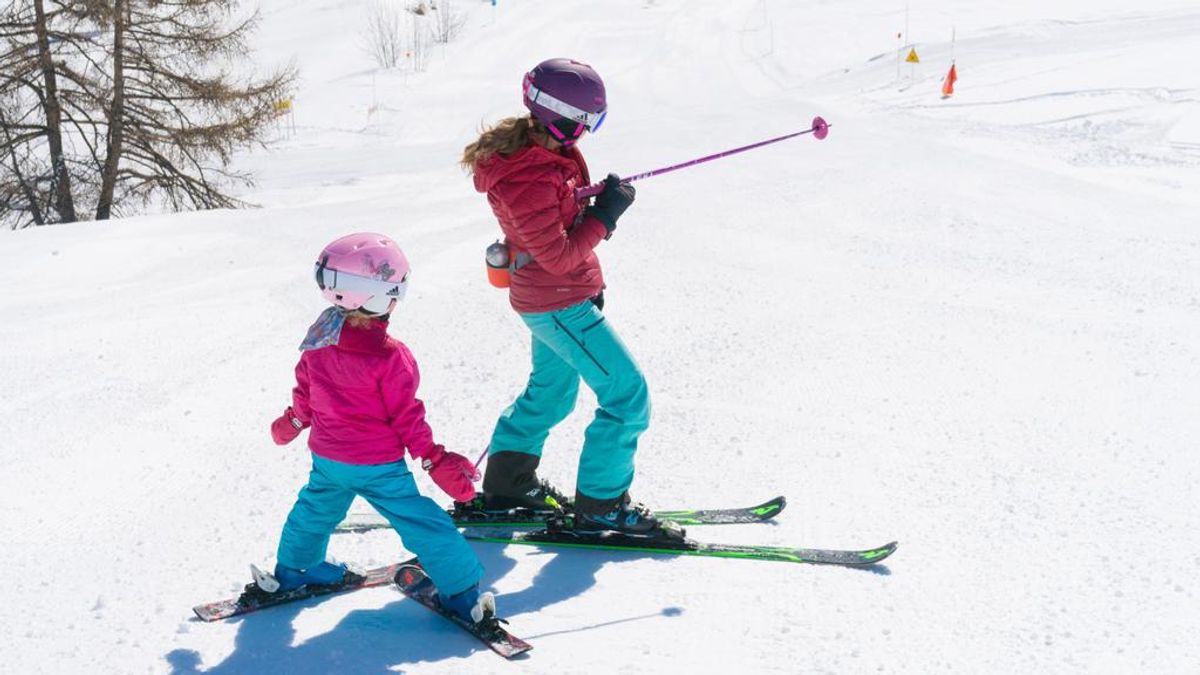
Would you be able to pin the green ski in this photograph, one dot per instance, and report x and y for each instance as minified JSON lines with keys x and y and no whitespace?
{"x":613,"y":541}
{"x":469,"y":515}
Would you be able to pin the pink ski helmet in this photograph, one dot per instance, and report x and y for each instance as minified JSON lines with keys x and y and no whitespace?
{"x":567,"y":96}
{"x":363,"y":271}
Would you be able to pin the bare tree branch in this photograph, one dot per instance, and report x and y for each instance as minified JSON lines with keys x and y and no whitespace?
{"x":116,"y":103}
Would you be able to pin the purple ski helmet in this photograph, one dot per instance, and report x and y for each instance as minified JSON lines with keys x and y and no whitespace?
{"x":363,"y":271}
{"x":567,"y":96}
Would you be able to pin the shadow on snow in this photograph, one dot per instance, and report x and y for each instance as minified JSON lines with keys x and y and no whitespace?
{"x":403,"y":632}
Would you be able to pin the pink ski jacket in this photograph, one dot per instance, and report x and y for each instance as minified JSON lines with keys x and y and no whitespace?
{"x":532,"y":193}
{"x":360,"y":398}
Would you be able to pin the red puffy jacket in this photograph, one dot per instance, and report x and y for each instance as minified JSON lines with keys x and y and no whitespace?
{"x":532,"y":193}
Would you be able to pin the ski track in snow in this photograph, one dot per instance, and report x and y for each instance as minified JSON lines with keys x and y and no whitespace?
{"x":966,"y":324}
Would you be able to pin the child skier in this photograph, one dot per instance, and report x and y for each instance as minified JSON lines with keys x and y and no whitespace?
{"x":529,"y":167}
{"x":356,"y":388}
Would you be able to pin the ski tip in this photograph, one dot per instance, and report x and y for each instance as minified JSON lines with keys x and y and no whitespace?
{"x":769,"y":509}
{"x":874,"y":555}
{"x":820,"y":128}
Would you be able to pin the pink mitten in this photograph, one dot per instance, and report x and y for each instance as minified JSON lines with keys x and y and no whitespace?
{"x":452,"y":472}
{"x":286,"y":428}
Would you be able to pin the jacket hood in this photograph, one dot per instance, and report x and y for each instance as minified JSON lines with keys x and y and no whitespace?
{"x":496,"y":168}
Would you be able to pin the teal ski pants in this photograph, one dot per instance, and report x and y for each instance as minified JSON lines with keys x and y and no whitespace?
{"x":423,"y":526}
{"x":569,"y":344}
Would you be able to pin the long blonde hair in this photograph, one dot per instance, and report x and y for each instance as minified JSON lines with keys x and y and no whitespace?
{"x":503,"y":138}
{"x":359,"y":319}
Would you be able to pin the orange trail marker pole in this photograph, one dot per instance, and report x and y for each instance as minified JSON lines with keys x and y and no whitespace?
{"x":948,"y":83}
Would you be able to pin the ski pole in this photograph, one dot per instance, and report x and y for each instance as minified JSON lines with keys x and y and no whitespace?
{"x":819,"y":130}
{"x":478,"y":462}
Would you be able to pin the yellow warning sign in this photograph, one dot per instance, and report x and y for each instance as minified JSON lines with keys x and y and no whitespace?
{"x":912,"y":56}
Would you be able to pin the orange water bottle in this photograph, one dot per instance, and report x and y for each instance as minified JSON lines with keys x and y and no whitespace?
{"x":497,"y":264}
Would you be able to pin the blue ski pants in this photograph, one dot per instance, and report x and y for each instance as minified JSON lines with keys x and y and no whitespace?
{"x":423,"y":526}
{"x":569,"y":344}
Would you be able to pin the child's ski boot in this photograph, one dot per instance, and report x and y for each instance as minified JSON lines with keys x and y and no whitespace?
{"x":322,"y":574}
{"x":471,"y":605}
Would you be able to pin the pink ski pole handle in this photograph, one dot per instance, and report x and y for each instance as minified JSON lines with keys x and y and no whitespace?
{"x":819,"y":130}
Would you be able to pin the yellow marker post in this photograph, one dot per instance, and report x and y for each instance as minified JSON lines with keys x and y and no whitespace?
{"x":284,"y":107}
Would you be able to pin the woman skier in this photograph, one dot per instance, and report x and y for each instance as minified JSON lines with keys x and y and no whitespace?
{"x":529,"y":167}
{"x":356,"y":388}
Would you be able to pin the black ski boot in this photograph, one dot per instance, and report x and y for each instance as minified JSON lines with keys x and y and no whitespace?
{"x":511,"y":482}
{"x":620,"y":515}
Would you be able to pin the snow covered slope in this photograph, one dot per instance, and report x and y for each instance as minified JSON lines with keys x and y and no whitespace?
{"x":967,"y":324}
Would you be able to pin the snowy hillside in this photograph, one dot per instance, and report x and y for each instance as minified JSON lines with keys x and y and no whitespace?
{"x":971,"y":325}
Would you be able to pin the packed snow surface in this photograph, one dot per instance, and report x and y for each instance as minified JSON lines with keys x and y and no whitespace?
{"x":968,"y":324}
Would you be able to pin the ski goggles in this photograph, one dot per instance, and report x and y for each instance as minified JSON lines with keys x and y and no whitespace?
{"x":344,"y":283}
{"x":574,"y":121}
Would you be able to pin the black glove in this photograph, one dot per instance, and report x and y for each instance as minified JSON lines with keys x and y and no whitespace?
{"x":612,"y":202}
